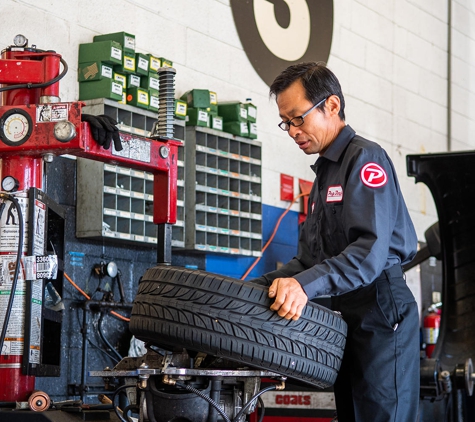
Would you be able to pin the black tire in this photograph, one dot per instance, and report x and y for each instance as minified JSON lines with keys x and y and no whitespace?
{"x":229,"y":318}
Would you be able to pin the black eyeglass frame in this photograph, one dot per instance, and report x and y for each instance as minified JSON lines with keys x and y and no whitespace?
{"x":285,"y":126}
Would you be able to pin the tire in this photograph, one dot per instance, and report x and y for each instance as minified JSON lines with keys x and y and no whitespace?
{"x":229,"y":318}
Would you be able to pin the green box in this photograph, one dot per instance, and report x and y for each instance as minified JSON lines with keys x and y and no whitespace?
{"x":252,"y":127}
{"x":236,"y":128}
{"x":197,"y":98}
{"x":121,"y":78}
{"x":232,"y":111}
{"x":154,"y":63}
{"x":133,"y":80}
{"x":94,"y":71}
{"x":105,"y":88}
{"x":142,"y":64}
{"x":153,"y":99}
{"x":150,"y":82}
{"x":138,"y":97}
{"x":251,"y":112}
{"x":166,"y":62}
{"x":213,"y":109}
{"x":127,"y":66}
{"x":216,"y":122}
{"x":180,"y":109}
{"x":127,"y":41}
{"x":105,"y":51}
{"x":197,"y":117}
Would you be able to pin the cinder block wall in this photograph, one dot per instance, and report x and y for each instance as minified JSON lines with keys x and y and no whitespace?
{"x":391,"y":58}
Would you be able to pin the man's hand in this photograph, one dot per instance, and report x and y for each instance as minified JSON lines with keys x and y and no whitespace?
{"x":290,"y":298}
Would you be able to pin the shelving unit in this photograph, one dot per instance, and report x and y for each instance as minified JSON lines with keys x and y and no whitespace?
{"x":223,"y":204}
{"x":116,"y":202}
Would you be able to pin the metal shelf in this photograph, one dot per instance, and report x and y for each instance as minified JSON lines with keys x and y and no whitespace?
{"x":117,"y":202}
{"x":223,"y":204}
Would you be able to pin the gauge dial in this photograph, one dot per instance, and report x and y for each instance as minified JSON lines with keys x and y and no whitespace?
{"x":10,"y":184}
{"x":15,"y":127}
{"x":64,"y":131}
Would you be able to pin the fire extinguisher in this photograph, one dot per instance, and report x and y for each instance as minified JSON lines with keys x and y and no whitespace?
{"x":431,"y":329}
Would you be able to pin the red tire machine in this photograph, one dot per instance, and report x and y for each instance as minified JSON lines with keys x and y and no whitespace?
{"x":35,"y":125}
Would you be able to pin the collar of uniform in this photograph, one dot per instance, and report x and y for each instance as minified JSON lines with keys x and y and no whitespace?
{"x":338,"y":146}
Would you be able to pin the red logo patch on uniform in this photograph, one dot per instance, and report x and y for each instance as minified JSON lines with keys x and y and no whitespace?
{"x":373,"y":175}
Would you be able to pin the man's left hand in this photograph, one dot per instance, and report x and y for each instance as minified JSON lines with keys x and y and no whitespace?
{"x":290,"y":298}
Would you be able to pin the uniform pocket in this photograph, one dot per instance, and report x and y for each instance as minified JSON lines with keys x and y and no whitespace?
{"x":386,"y":303}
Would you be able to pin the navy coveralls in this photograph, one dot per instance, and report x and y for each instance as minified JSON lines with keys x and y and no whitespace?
{"x":357,"y":234}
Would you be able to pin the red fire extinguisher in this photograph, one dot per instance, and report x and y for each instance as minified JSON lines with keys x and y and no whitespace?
{"x":431,"y":329}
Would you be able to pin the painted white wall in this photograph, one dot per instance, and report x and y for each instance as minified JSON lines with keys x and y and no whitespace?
{"x":390,"y":57}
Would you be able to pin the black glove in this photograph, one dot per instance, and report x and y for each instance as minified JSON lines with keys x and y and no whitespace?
{"x":104,"y":130}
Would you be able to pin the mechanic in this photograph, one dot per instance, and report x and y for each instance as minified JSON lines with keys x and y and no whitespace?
{"x":356,"y":236}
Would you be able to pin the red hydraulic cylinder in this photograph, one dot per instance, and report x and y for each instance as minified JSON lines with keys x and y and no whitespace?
{"x":28,"y":170}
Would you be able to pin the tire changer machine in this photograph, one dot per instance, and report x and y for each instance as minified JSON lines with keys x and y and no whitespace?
{"x":35,"y":126}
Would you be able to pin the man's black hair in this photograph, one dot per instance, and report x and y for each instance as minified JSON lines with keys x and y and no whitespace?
{"x":318,"y":81}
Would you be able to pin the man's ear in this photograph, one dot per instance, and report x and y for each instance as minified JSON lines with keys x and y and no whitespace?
{"x":333,"y":105}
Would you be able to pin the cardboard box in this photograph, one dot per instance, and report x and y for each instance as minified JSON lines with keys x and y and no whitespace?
{"x":150,"y":82}
{"x":153,"y":99}
{"x":127,"y":66}
{"x":251,"y":112}
{"x":127,"y":41}
{"x":122,"y":79}
{"x":197,"y":117}
{"x":181,"y":109}
{"x":138,"y":97}
{"x":232,"y":111}
{"x":133,"y":80}
{"x":197,"y":98}
{"x":104,"y":88}
{"x":109,"y":52}
{"x":252,"y":128}
{"x":236,"y":128}
{"x":142,"y":64}
{"x":94,"y":71}
{"x":154,"y":63}
{"x":216,"y":122}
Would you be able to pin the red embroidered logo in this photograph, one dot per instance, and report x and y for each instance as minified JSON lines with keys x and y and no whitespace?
{"x":373,"y":175}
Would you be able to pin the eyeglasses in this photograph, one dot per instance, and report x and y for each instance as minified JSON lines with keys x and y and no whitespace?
{"x":298,"y":121}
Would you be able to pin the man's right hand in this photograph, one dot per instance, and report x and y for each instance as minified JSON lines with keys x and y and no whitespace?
{"x":290,"y":298}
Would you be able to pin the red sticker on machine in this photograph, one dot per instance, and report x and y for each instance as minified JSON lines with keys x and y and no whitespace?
{"x":373,"y":175}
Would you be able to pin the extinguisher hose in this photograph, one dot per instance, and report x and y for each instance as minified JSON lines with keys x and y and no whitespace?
{"x":42,"y":85}
{"x":17,"y":267}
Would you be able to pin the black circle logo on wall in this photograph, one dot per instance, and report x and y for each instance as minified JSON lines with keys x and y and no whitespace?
{"x":278,"y":33}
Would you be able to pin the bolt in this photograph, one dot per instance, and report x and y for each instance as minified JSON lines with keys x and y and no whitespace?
{"x":48,"y":158}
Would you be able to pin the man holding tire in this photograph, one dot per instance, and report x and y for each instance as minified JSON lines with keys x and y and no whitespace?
{"x":357,"y":235}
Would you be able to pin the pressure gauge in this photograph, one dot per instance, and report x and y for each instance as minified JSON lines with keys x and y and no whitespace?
{"x":10,"y":184}
{"x":64,"y":131}
{"x":15,"y":127}
{"x":20,"y":40}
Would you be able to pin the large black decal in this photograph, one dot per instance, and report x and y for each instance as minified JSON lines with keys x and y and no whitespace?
{"x":278,"y":33}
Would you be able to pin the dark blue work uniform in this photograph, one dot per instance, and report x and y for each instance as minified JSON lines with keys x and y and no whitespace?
{"x":357,"y":234}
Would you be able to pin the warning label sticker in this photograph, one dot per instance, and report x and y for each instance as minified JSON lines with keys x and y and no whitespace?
{"x":10,"y":225}
{"x":51,"y":113}
{"x":13,"y":344}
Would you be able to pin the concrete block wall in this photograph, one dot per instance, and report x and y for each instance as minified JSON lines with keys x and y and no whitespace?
{"x":391,"y":58}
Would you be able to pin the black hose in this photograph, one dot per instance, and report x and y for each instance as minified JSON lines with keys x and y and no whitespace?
{"x":263,"y":409}
{"x":17,"y":267}
{"x":101,"y":333}
{"x":42,"y":85}
{"x":116,"y":409}
{"x":248,"y":404}
{"x":205,"y":397}
{"x":128,"y":408}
